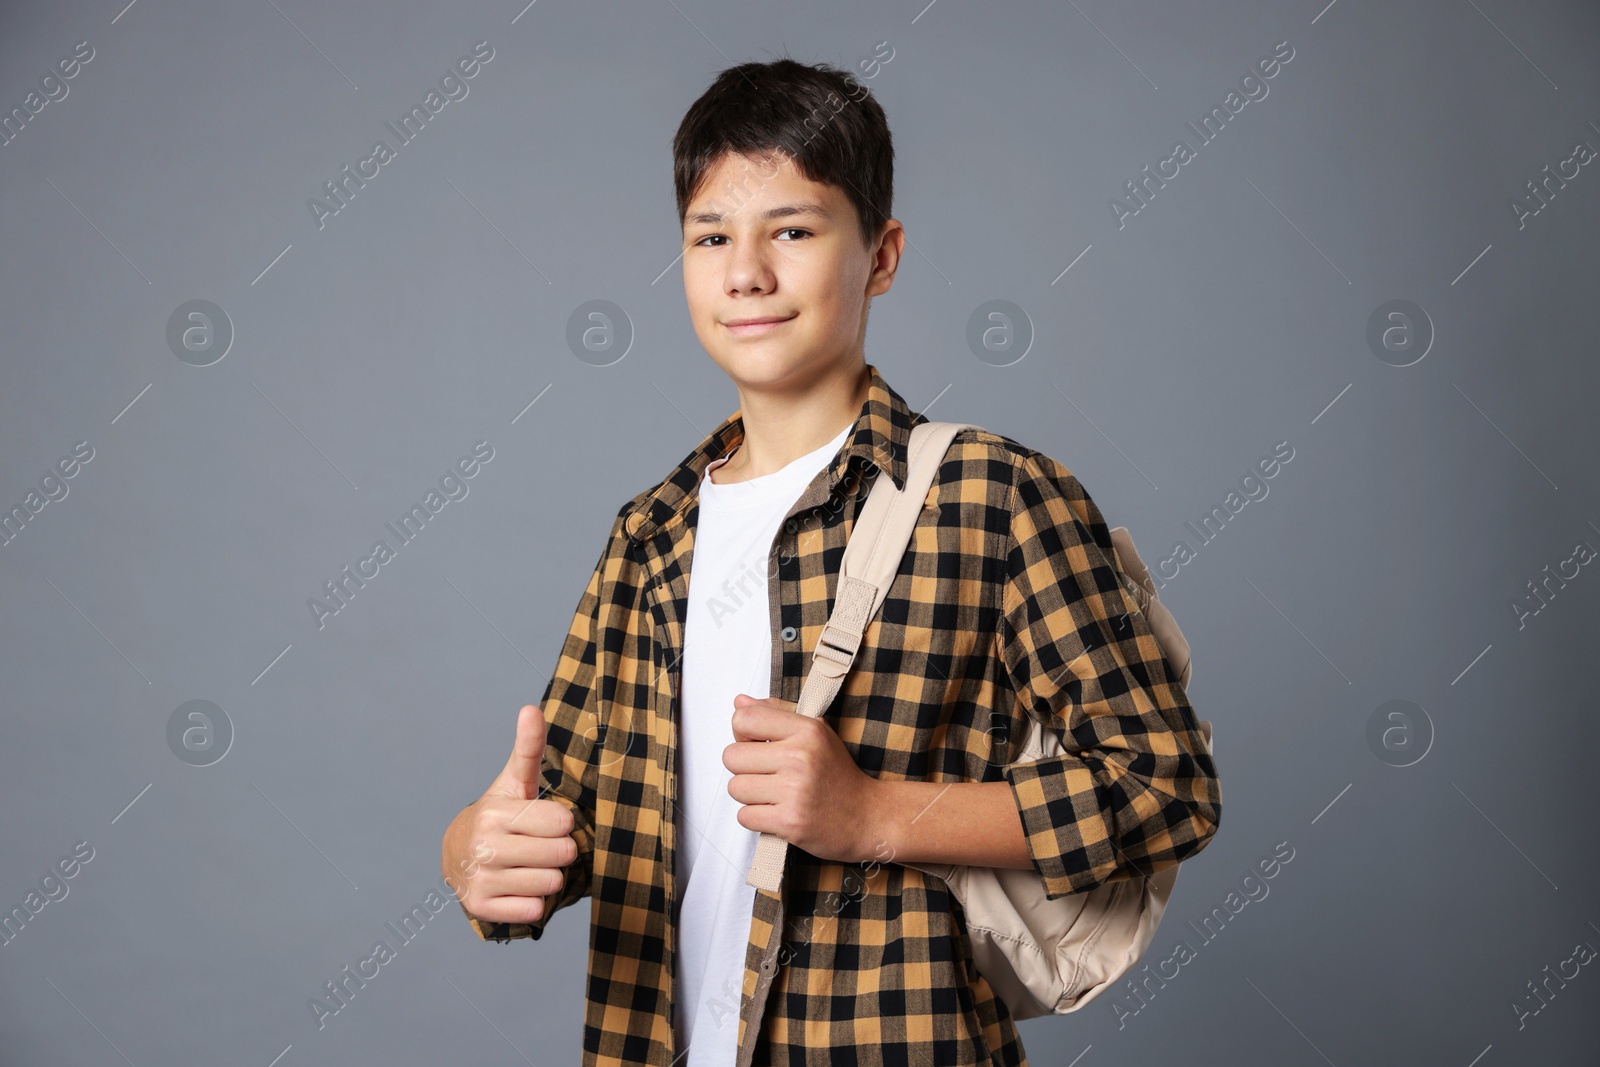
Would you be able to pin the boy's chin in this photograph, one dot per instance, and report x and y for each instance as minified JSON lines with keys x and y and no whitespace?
{"x":763,"y":363}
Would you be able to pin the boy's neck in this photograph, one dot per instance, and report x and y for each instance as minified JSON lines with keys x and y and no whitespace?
{"x":782,"y":426}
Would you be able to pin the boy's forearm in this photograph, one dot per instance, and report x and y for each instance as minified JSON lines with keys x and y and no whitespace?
{"x":970,"y":823}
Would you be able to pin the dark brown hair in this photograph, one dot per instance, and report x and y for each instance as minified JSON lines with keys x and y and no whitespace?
{"x":821,"y":117}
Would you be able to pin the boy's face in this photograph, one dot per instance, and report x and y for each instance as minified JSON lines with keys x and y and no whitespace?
{"x":763,"y":242}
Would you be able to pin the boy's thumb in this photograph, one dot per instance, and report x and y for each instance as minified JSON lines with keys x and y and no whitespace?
{"x":520,"y":778}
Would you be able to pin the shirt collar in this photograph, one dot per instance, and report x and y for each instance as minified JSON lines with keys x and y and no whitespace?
{"x":880,"y":436}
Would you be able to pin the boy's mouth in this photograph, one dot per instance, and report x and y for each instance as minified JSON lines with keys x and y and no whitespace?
{"x":754,"y":326}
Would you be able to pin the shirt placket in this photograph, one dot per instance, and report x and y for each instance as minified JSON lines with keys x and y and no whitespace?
{"x":667,"y":601}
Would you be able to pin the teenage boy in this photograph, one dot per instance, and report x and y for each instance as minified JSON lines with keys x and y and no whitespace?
{"x":667,"y":739}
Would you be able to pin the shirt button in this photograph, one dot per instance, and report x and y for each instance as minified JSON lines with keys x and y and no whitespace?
{"x":791,"y":526}
{"x":769,"y":965}
{"x":789,"y":633}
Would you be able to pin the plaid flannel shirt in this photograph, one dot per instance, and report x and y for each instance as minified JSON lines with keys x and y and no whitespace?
{"x":1006,"y":607}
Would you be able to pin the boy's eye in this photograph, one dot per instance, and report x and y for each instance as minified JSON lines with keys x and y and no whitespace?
{"x":721,"y":237}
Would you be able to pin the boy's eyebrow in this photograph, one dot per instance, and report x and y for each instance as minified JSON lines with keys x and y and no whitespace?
{"x":713,"y":218}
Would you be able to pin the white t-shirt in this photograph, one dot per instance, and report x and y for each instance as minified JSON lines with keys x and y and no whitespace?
{"x":727,"y":650}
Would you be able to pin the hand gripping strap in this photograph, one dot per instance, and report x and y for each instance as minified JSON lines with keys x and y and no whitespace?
{"x":871,"y":560}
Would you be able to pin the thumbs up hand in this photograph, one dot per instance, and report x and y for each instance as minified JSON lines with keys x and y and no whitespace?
{"x":510,"y":845}
{"x":519,"y":778}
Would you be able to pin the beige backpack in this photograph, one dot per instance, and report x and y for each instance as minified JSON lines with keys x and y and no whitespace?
{"x":1041,"y":956}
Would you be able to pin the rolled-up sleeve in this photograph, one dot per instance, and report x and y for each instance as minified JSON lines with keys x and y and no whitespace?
{"x":574,"y":738}
{"x":1134,"y":790}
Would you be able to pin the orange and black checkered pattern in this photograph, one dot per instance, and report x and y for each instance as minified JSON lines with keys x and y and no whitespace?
{"x":1007,"y":606}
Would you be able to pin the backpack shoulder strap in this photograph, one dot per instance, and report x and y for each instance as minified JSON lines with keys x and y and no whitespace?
{"x":872,"y":556}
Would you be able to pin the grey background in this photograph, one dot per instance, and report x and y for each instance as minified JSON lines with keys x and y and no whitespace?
{"x":1227,"y":316}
